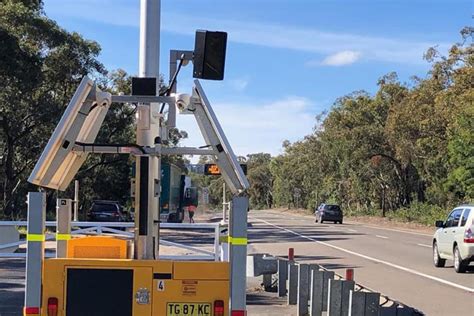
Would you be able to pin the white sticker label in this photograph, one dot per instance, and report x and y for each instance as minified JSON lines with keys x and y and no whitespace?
{"x":161,"y":285}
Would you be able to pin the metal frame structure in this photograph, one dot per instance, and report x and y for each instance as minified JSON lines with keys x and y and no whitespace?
{"x":67,"y":229}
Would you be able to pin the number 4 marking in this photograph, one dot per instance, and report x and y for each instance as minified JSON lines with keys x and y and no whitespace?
{"x":161,"y":285}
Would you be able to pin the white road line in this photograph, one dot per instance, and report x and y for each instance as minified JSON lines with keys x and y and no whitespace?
{"x":368,"y":226}
{"x":380,"y":236}
{"x":393,"y":265}
{"x":352,"y":230}
{"x":423,"y":245}
{"x":394,"y":230}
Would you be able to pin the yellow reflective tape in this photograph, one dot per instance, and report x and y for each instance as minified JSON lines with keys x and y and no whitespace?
{"x":237,"y":241}
{"x":35,"y":237}
{"x":63,"y":236}
{"x":223,"y":239}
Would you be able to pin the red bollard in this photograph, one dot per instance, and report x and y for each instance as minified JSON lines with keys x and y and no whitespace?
{"x":291,"y":254}
{"x":350,"y":274}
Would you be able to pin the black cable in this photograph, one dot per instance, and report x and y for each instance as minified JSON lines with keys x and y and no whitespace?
{"x":172,"y":83}
{"x":113,"y":145}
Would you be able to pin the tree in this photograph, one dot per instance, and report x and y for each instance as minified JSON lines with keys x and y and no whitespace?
{"x":40,"y":67}
{"x":260,"y":179}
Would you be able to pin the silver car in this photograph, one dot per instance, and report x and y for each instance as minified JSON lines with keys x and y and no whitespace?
{"x":454,"y":239}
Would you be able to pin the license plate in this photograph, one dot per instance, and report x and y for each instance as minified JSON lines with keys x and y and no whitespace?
{"x":188,"y":309}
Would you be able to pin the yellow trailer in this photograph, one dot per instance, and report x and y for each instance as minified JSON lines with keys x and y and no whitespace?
{"x":79,"y":287}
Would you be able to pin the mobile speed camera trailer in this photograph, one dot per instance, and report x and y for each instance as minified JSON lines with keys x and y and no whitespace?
{"x":96,"y":275}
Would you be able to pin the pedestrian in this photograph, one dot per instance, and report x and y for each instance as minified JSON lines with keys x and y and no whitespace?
{"x":191,"y":210}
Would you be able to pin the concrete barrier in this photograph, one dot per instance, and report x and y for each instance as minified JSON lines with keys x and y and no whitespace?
{"x":303,"y":289}
{"x":260,"y":264}
{"x":364,"y":304}
{"x":9,"y":235}
{"x":282,"y":277}
{"x":292,"y":284}
{"x":319,"y":291}
{"x":338,"y":297}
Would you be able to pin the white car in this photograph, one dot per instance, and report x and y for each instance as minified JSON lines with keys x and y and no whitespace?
{"x":454,"y":239}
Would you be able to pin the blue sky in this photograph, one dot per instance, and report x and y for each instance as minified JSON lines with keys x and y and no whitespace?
{"x":287,"y":61}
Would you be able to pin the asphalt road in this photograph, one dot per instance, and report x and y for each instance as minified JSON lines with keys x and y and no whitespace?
{"x":394,"y":262}
{"x":12,"y":286}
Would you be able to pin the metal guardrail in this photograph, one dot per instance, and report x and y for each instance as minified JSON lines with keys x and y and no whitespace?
{"x":358,"y":287}
{"x":100,"y":228}
{"x":363,"y":288}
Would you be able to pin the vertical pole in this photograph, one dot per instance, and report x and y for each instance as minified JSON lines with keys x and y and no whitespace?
{"x":350,"y":274}
{"x":63,"y":231}
{"x":291,"y":254}
{"x":316,"y":296}
{"x":76,"y":200}
{"x":224,"y":206}
{"x":217,"y":237}
{"x":148,"y":129}
{"x":171,"y":122}
{"x":238,"y":254}
{"x":292,"y":298}
{"x":282,"y":277}
{"x":303,"y":289}
{"x":150,"y":11}
{"x":34,"y":252}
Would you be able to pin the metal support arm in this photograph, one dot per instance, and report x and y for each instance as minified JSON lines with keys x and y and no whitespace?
{"x":143,"y":99}
{"x":186,"y":151}
{"x":135,"y":150}
{"x":176,"y":55}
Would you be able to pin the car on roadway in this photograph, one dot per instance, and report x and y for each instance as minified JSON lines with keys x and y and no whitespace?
{"x":454,"y":239}
{"x":107,"y":211}
{"x":329,"y":212}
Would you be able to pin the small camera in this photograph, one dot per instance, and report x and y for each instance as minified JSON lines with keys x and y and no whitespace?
{"x":103,"y":98}
{"x":183,"y":103}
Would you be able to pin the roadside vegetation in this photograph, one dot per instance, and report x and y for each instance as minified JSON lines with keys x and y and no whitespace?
{"x":406,"y":152}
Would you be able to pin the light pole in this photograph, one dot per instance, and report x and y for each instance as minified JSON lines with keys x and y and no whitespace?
{"x":148,"y":129}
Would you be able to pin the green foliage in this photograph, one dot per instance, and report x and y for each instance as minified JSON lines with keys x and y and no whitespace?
{"x":422,"y":213}
{"x":407,"y":151}
{"x":41,"y":65}
{"x":261,"y":180}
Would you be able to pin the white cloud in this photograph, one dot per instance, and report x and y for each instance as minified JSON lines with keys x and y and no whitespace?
{"x":126,"y":13}
{"x":259,"y":127}
{"x":343,"y":58}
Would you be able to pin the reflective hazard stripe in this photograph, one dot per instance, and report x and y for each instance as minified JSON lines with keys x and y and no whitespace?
{"x":35,"y":237}
{"x":237,"y":241}
{"x":63,"y":236}
{"x":223,"y":239}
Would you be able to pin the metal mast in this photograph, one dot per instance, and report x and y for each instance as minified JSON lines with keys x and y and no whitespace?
{"x":148,"y":129}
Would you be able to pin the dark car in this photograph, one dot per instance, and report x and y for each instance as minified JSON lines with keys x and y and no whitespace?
{"x":329,"y":212}
{"x":107,"y":211}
